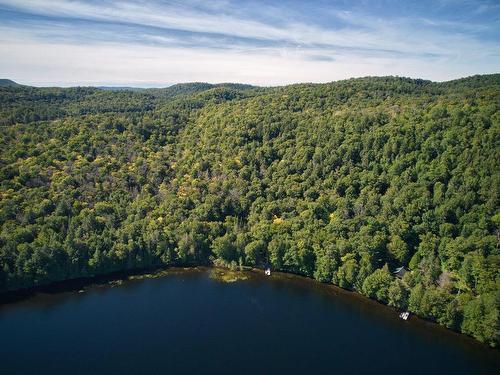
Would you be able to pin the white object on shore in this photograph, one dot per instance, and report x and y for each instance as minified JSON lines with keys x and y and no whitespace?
{"x":268,"y":272}
{"x":404,"y":315}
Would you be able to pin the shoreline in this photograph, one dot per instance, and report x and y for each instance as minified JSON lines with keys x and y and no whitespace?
{"x":118,"y":278}
{"x":73,"y":285}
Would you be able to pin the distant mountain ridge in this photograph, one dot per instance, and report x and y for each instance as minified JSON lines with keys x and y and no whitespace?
{"x":188,"y":88}
{"x":196,"y":87}
{"x":121,"y":88}
{"x":4,"y":82}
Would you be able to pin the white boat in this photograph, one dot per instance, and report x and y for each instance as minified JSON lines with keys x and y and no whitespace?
{"x":404,"y":315}
{"x":268,"y":272}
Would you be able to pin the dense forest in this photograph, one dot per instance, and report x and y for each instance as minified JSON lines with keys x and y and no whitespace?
{"x":343,"y":182}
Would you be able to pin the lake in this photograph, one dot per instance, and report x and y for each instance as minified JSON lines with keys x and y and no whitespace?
{"x":188,"y":323}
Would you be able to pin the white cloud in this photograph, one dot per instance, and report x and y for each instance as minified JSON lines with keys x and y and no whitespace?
{"x":375,"y":34}
{"x":66,"y":64}
{"x":53,"y":53}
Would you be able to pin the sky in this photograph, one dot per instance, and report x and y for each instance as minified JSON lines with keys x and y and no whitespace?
{"x":158,"y":43}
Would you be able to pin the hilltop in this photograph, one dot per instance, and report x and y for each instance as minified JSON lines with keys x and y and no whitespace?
{"x":8,"y":83}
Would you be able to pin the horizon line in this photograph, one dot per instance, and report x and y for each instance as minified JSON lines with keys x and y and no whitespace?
{"x":152,"y":85}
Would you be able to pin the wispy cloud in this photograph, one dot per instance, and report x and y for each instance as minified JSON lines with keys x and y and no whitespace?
{"x":255,"y":42}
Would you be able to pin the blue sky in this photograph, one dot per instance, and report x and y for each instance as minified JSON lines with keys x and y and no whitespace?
{"x":156,"y":43}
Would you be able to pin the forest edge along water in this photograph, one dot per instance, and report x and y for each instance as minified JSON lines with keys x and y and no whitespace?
{"x":293,"y":293}
{"x":221,"y":274}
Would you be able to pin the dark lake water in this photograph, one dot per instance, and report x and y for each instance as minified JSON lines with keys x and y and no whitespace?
{"x":188,"y":323}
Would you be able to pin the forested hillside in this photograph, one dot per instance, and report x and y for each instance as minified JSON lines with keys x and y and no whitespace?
{"x":343,"y":182}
